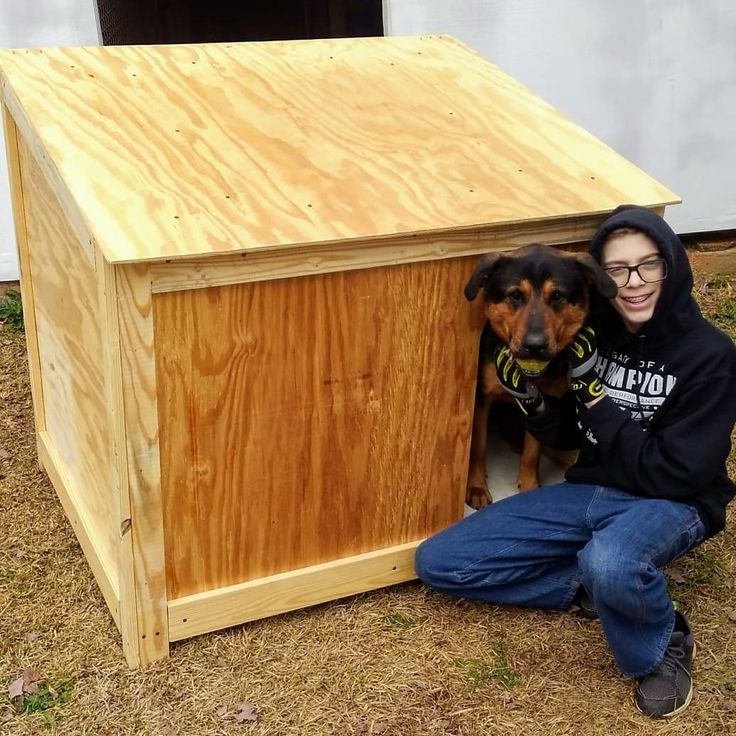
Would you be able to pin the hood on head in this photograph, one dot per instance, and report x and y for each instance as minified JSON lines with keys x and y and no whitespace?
{"x":676,"y":308}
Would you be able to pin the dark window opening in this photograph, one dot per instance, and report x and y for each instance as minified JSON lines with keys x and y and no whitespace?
{"x":205,"y":21}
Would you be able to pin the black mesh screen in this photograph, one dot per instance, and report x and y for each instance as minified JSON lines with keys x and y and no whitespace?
{"x":197,"y":21}
{"x":126,"y":22}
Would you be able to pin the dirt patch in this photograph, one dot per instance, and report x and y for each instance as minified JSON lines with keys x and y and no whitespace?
{"x":8,"y":286}
{"x":401,"y":661}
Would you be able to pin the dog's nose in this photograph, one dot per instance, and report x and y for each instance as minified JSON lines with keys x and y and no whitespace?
{"x":534,"y":343}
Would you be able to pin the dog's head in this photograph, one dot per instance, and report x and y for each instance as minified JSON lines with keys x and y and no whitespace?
{"x":537,"y":299}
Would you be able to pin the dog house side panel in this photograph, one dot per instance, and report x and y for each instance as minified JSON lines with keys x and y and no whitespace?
{"x":74,"y":436}
{"x":311,"y":419}
{"x":15,"y":176}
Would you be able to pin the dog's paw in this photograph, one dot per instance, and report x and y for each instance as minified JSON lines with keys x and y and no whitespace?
{"x":477,"y":497}
{"x":527,"y":481}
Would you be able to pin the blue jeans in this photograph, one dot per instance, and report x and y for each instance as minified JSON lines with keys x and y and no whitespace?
{"x":536,"y":548}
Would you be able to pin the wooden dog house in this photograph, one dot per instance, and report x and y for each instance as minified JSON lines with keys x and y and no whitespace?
{"x":252,"y":364}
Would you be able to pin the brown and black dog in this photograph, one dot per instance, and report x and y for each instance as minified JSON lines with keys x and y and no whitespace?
{"x":537,"y":298}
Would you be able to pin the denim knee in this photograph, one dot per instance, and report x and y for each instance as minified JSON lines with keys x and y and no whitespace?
{"x":426,"y":563}
{"x":607,"y":573}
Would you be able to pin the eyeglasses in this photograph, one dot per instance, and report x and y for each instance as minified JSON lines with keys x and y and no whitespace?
{"x":650,"y":272}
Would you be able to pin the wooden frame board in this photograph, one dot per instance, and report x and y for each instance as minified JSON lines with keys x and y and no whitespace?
{"x":238,"y":604}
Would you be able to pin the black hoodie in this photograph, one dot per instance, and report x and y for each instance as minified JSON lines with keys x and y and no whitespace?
{"x":664,"y":428}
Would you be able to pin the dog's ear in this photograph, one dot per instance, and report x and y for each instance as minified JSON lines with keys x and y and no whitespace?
{"x":595,"y":275}
{"x":487,"y":265}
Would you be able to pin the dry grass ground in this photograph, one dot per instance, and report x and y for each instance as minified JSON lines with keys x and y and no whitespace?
{"x":395,"y":662}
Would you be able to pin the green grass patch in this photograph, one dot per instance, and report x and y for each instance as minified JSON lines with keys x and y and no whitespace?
{"x":49,"y":698}
{"x":481,"y":672}
{"x":708,"y":570}
{"x":6,"y":576}
{"x":719,"y":281}
{"x":397,"y":620}
{"x":725,"y":314}
{"x":11,"y":310}
{"x":719,"y":302}
{"x":700,"y":569}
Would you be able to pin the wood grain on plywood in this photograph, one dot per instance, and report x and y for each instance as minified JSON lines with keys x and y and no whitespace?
{"x":85,"y":527}
{"x":306,"y":420}
{"x":12,"y":146}
{"x":68,"y":318}
{"x":179,"y":151}
{"x":29,"y":132}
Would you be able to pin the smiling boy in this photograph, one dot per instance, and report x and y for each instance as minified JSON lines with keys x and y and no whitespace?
{"x":632,"y":259}
{"x":652,"y":407}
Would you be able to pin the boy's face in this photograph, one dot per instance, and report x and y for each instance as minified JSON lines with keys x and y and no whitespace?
{"x":636,"y":301}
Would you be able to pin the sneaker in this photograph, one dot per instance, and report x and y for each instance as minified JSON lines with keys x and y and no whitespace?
{"x":583,"y":605}
{"x":669,"y":689}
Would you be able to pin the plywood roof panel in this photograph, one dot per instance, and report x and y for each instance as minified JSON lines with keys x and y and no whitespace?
{"x":182,"y":151}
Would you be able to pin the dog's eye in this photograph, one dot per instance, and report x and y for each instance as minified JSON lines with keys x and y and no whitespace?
{"x":515,"y":296}
{"x":556,"y":297}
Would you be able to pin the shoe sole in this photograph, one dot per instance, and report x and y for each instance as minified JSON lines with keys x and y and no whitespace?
{"x":687,"y":699}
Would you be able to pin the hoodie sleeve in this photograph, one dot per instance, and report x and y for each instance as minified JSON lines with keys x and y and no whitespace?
{"x":557,"y":426}
{"x":680,"y":458}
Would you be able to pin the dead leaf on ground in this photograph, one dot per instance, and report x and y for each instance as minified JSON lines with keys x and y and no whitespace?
{"x":26,"y":684}
{"x":16,"y":689}
{"x":246,"y":713}
{"x":221,"y":710}
{"x":6,"y":714}
{"x":675,"y":574}
{"x":729,"y":704}
{"x":732,"y":615}
{"x":32,"y":636}
{"x":31,"y":676}
{"x":169,"y":731}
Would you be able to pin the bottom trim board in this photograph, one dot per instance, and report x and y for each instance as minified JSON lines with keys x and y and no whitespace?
{"x":289,"y":591}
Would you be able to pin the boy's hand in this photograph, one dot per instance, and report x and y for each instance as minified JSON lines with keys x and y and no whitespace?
{"x":512,"y":378}
{"x":582,"y":355}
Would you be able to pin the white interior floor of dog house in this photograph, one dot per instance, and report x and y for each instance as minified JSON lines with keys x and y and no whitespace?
{"x":503,"y":466}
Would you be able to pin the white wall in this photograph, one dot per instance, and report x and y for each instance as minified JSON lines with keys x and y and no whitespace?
{"x":33,"y":23}
{"x":655,"y":79}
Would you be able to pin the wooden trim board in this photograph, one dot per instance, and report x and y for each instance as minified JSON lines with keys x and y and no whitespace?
{"x":142,"y":544}
{"x":268,"y":264}
{"x":289,"y":591}
{"x":118,"y":458}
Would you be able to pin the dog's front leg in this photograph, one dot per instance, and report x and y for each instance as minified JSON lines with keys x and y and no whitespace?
{"x":528,"y":477}
{"x":477,"y":494}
